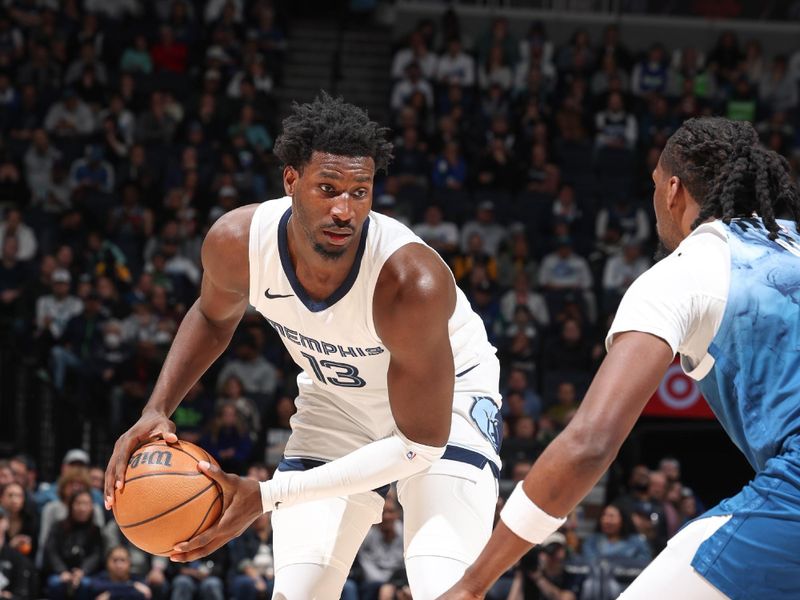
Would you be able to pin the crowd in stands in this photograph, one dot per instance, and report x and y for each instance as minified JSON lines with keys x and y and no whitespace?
{"x":128,"y":127}
{"x":57,"y":541}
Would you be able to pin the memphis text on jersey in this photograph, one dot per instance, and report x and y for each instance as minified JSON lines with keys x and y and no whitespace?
{"x":321,"y":346}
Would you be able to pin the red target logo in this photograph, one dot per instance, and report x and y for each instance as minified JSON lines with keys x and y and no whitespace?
{"x":677,"y":390}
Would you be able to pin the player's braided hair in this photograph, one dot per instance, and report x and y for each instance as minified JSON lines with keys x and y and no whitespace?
{"x":729,"y":173}
{"x":331,"y":125}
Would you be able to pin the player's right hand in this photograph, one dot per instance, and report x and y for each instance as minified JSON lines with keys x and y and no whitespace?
{"x":151,"y":425}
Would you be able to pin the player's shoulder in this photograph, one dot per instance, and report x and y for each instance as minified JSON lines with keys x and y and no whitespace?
{"x":233,"y":227}
{"x":700,"y":264}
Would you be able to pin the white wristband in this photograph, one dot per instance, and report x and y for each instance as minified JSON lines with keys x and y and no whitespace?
{"x":266,"y":497}
{"x":528,"y":521}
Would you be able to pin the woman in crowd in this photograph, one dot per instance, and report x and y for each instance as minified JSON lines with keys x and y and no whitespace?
{"x":615,"y":538}
{"x":73,"y":550}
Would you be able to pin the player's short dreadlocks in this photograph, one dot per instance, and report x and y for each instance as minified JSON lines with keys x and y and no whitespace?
{"x":729,"y":173}
{"x":333,"y":126}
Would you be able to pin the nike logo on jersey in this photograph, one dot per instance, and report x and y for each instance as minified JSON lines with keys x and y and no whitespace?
{"x":273,"y":296}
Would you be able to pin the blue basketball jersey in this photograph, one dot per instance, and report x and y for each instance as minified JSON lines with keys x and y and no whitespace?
{"x":754,"y":386}
{"x":754,"y":389}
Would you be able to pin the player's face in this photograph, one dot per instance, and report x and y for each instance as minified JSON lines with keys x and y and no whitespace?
{"x":331,"y":199}
{"x":669,"y":234}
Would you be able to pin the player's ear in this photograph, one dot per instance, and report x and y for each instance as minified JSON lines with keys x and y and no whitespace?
{"x":290,"y":177}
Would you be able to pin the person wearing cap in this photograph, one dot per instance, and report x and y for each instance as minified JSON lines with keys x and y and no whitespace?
{"x":92,"y":172}
{"x":54,"y":310}
{"x":16,"y":572}
{"x":79,"y":346}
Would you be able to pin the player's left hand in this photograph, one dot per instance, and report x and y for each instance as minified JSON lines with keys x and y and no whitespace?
{"x":241,"y":504}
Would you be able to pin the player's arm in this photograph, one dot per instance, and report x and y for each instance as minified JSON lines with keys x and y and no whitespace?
{"x":414,"y":298}
{"x":573,"y":463}
{"x":204,"y":333}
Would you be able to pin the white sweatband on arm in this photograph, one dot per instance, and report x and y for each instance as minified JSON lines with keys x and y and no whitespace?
{"x":365,"y":469}
{"x":521,"y":515}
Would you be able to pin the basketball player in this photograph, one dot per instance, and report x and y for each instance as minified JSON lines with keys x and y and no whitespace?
{"x":398,"y":381}
{"x":727,"y":299}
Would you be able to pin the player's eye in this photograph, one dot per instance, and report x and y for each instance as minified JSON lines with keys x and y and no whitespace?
{"x":328,"y":189}
{"x":362,"y":193}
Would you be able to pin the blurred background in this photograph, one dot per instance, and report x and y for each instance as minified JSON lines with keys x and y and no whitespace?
{"x":525,"y":134}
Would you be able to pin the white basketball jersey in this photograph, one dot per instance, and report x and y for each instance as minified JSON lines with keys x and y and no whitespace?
{"x":343,"y":397}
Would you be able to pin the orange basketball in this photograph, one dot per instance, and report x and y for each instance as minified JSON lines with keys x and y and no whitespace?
{"x":166,"y":500}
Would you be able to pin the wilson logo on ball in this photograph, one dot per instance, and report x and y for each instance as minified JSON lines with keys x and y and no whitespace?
{"x":157,"y":457}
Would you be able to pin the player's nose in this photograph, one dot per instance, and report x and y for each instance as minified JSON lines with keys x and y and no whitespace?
{"x":342,"y":208}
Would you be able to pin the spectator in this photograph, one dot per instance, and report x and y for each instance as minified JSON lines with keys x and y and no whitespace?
{"x":492,"y":233}
{"x":657,"y":492}
{"x":416,"y":51}
{"x":92,"y":173}
{"x":69,"y":118}
{"x":54,"y":311}
{"x":496,"y":72}
{"x":522,"y":295}
{"x":249,"y":413}
{"x":13,"y":275}
{"x":518,"y":382}
{"x":475,"y":258}
{"x":621,"y":271}
{"x":257,"y":375}
{"x":566,"y":403}
{"x":615,"y":537}
{"x":79,"y":347}
{"x":252,"y":562}
{"x":22,"y":527}
{"x":563,"y":272}
{"x":381,"y":553}
{"x":570,"y":351}
{"x":39,"y":160}
{"x":156,"y":126}
{"x":88,"y":59}
{"x":14,"y":227}
{"x":616,"y":128}
{"x":609,"y":71}
{"x":73,"y":549}
{"x":169,"y":54}
{"x":651,"y":74}
{"x":456,"y":66}
{"x":278,"y":432}
{"x":541,"y":176}
{"x":547,"y":573}
{"x":522,"y":445}
{"x":778,"y":90}
{"x":725,"y":57}
{"x":412,"y":83}
{"x":201,"y":579}
{"x":116,"y":581}
{"x":449,"y":168}
{"x":228,"y":439}
{"x":136,"y":58}
{"x":15,"y":570}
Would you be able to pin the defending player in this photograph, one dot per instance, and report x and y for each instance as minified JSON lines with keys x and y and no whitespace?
{"x":399,"y":382}
{"x":727,"y":299}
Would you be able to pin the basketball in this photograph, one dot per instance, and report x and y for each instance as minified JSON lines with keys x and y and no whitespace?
{"x":166,"y":500}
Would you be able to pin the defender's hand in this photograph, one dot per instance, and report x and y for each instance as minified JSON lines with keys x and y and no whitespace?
{"x":241,"y":505}
{"x":460,"y":592}
{"x":150,"y":426}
